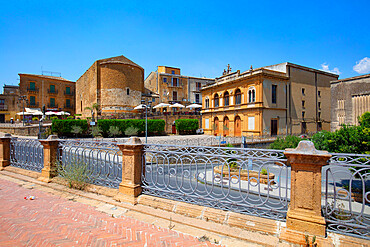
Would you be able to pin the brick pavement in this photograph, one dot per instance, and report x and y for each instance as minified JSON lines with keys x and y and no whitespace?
{"x":53,"y":221}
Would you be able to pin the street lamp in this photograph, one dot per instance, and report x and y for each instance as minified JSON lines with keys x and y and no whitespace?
{"x":146,"y":118}
{"x":23,"y":98}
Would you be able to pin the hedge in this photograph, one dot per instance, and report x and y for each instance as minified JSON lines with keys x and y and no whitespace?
{"x":187,"y":126}
{"x":155,"y":126}
{"x":64,"y":127}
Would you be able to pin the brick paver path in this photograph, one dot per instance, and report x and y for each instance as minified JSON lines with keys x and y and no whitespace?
{"x":52,"y":221}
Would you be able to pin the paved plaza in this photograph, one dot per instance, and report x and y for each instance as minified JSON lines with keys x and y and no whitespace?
{"x":49,"y":220}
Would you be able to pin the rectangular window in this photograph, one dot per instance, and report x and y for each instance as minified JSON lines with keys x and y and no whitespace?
{"x":303,"y":92}
{"x":52,"y":102}
{"x":68,"y":103}
{"x":251,"y":123}
{"x":197,"y":98}
{"x":68,"y":90}
{"x":174,"y":95}
{"x":32,"y":100}
{"x":303,"y":104}
{"x":319,"y":93}
{"x":164,"y":79}
{"x":172,"y":72}
{"x":174,"y":82}
{"x":199,"y":86}
{"x":206,"y":123}
{"x":32,"y":86}
{"x":153,"y":99}
{"x":319,"y":105}
{"x":303,"y":114}
{"x":319,"y":115}
{"x":52,"y":88}
{"x":273,"y":92}
{"x":2,"y":101}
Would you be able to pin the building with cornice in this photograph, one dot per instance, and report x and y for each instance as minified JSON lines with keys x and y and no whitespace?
{"x":172,"y":87}
{"x":274,"y":100}
{"x":116,"y":84}
{"x":350,"y":98}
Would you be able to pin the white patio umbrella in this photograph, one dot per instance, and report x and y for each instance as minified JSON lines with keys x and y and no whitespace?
{"x":25,"y":113}
{"x":139,"y":107}
{"x":177,"y":105}
{"x":161,"y":105}
{"x":194,"y":106}
{"x":63,"y":113}
{"x":49,"y":113}
{"x":37,"y":113}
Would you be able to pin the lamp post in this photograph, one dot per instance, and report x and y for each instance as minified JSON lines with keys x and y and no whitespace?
{"x":23,"y":98}
{"x":146,"y":118}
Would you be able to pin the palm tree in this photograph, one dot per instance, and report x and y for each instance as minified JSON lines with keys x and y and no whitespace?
{"x":94,"y":106}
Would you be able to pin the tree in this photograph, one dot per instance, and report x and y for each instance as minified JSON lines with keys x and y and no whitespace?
{"x":94,"y":107}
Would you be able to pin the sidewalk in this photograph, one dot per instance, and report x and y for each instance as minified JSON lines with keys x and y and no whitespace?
{"x":50,"y":220}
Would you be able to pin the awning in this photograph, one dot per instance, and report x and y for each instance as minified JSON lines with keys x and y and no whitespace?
{"x":177,"y":105}
{"x":194,"y":106}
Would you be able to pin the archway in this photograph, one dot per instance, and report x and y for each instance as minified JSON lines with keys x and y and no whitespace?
{"x":238,"y":126}
{"x":216,"y":126}
{"x":226,"y":126}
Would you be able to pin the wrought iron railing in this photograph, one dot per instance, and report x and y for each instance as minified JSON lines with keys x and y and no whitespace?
{"x":347,"y":194}
{"x":249,"y":181}
{"x":26,"y":154}
{"x":101,"y":161}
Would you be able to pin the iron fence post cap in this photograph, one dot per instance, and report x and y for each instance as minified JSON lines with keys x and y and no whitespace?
{"x":305,"y":147}
{"x":134,"y":140}
{"x":52,"y":137}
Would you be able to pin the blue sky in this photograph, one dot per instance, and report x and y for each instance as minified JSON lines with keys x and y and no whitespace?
{"x":200,"y":37}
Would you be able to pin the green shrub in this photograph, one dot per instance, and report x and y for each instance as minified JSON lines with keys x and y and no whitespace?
{"x":64,"y":127}
{"x":70,"y":117}
{"x":35,"y":119}
{"x":155,"y":126}
{"x":54,"y":117}
{"x":131,"y":131}
{"x":96,"y":131}
{"x":187,"y":126}
{"x":114,"y":131}
{"x":285,"y":142}
{"x":76,"y":173}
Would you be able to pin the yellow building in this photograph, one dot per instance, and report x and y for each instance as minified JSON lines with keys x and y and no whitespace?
{"x":172,"y":87}
{"x":9,"y":104}
{"x":272,"y":100}
{"x":56,"y":93}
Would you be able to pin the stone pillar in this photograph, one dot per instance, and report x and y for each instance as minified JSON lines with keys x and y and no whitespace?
{"x":130,"y":187}
{"x":304,"y":213}
{"x":5,"y":151}
{"x":50,"y":158}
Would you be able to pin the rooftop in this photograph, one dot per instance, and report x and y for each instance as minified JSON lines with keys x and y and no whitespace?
{"x":46,"y":77}
{"x":351,"y":78}
{"x":119,"y":59}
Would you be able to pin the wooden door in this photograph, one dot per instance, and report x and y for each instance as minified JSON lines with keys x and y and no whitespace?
{"x":226,"y":126}
{"x":274,"y":127}
{"x":216,"y":126}
{"x":238,"y":126}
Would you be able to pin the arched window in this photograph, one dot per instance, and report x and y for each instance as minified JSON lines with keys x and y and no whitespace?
{"x":226,"y":98}
{"x":238,"y":97}
{"x":251,"y":95}
{"x":217,"y":100}
{"x":206,"y":102}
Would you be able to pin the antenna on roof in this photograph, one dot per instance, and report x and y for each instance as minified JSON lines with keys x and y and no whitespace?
{"x":51,"y":73}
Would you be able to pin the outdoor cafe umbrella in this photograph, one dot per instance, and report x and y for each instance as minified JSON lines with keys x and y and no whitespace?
{"x":177,"y":105}
{"x":63,"y":113}
{"x":194,"y":106}
{"x":161,"y":105}
{"x":50,"y":113}
{"x":139,"y":107}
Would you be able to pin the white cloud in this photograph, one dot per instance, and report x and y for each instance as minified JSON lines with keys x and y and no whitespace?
{"x":325,"y":67}
{"x":362,"y":66}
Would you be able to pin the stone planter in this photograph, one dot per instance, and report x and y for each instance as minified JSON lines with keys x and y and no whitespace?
{"x":253,"y":175}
